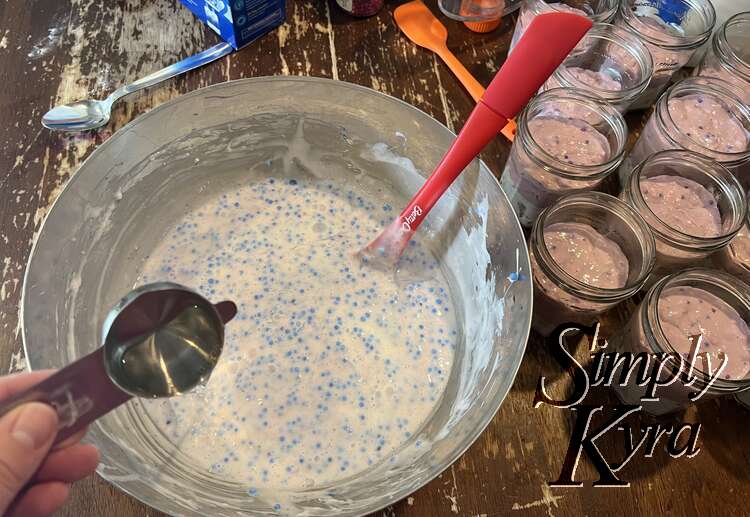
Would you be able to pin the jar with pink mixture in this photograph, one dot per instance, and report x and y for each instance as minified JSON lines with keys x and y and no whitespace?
{"x":698,"y":317}
{"x":609,"y":63}
{"x":671,"y":31}
{"x":597,"y":11}
{"x":567,"y":141}
{"x":701,"y":115}
{"x":693,"y":206}
{"x":589,"y":251}
{"x":728,"y":59}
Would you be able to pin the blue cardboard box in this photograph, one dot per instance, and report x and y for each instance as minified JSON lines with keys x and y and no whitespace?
{"x":239,"y":22}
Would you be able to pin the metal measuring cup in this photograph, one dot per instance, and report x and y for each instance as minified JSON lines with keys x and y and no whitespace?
{"x":161,"y":340}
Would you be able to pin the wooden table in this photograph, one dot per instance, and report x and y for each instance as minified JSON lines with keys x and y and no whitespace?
{"x":54,"y":51}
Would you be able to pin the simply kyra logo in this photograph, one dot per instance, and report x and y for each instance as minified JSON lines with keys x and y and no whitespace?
{"x":645,"y":374}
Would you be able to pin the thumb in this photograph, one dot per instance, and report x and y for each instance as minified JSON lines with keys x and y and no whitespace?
{"x":26,"y":435}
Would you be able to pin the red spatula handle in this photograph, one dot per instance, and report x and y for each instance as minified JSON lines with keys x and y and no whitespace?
{"x":543,"y":47}
{"x":481,"y":127}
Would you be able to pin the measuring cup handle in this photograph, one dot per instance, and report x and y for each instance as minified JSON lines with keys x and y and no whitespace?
{"x":80,"y":393}
{"x":227,"y":311}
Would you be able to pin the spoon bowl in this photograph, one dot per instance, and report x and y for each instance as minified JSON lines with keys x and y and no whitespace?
{"x":91,"y":114}
{"x":78,"y":116}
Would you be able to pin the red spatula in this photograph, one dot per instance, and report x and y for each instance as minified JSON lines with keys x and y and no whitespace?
{"x":543,"y":47}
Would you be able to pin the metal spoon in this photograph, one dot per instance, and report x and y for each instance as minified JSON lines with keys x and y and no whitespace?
{"x":159,"y":341}
{"x":91,"y":114}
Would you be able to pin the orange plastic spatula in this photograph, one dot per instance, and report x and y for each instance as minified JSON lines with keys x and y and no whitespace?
{"x":421,"y":27}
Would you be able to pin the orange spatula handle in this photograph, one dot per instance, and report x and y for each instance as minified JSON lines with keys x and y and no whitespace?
{"x":475,"y":89}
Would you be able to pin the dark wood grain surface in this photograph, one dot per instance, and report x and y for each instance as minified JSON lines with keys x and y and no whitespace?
{"x":54,"y":51}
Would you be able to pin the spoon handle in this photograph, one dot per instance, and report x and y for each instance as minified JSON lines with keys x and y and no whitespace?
{"x":80,"y":393}
{"x":195,"y":61}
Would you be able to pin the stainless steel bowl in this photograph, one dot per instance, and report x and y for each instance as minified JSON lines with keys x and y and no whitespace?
{"x":126,"y":195}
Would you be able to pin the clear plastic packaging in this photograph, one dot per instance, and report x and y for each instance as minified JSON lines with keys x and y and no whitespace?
{"x":477,"y":10}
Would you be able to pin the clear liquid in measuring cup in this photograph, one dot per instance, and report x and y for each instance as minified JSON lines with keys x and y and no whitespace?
{"x":175,"y":358}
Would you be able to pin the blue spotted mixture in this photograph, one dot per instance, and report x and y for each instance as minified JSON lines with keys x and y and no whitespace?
{"x":329,"y":365}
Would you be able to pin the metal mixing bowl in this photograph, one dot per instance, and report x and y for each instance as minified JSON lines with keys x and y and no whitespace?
{"x":144,"y":178}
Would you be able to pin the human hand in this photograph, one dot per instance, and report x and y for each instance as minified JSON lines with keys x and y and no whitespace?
{"x":35,"y":479}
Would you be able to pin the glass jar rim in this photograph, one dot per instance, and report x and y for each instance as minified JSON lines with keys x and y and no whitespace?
{"x":552,"y":164}
{"x":654,"y":332}
{"x":704,"y":7}
{"x":720,"y":175}
{"x":726,"y":52}
{"x":539,"y":6}
{"x":569,"y":283}
{"x":703,"y":86}
{"x":625,"y":39}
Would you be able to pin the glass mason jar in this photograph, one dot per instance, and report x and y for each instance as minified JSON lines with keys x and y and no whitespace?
{"x":562,"y":294}
{"x":735,"y":258}
{"x":728,"y":59}
{"x":669,"y":321}
{"x":692,"y":204}
{"x":610,"y":63}
{"x":598,"y":11}
{"x":566,"y":142}
{"x":701,"y":115}
{"x":672,"y":31}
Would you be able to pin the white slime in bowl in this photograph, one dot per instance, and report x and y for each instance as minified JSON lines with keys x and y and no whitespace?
{"x":329,"y":366}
